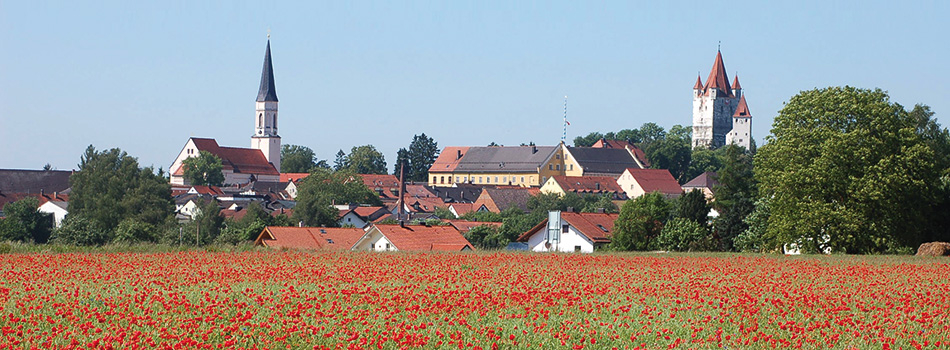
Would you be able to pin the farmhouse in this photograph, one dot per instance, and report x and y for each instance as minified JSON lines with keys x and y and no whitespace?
{"x":637,"y":182}
{"x":412,"y":238}
{"x":312,"y":238}
{"x":570,"y":232}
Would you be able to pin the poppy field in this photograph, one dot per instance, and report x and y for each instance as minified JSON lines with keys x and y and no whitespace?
{"x":358,"y":300}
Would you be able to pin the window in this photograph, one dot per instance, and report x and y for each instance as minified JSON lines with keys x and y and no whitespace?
{"x":522,"y":179}
{"x":557,"y":167}
{"x":577,"y":249}
{"x":564,"y":228}
{"x":496,"y":179}
{"x":329,"y":241}
{"x":388,"y":246}
{"x":441,"y":179}
{"x":550,"y":167}
{"x":450,"y":179}
{"x":479,"y":179}
{"x":572,"y":166}
{"x":456,"y":179}
{"x":504,"y":179}
{"x":558,"y":156}
{"x":275,"y":121}
{"x":260,"y":120}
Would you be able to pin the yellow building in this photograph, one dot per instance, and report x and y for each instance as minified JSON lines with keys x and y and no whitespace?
{"x":525,"y":166}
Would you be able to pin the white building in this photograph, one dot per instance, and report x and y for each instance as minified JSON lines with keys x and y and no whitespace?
{"x":716,"y":110}
{"x":570,"y":232}
{"x":57,"y":208}
{"x":261,"y":162}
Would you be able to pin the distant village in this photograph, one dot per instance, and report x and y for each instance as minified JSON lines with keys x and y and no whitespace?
{"x":460,"y":181}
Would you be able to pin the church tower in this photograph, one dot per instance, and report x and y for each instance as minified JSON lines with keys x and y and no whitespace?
{"x":713,"y":107}
{"x":265,"y":119}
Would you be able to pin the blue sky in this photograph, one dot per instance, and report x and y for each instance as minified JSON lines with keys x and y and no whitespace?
{"x":146,"y":76}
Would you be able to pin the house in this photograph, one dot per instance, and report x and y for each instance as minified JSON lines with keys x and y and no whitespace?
{"x":361,"y":216}
{"x":638,"y":154}
{"x":34,"y":181}
{"x":412,"y":238}
{"x":584,"y":185}
{"x":459,"y":209}
{"x":57,"y":208}
{"x":704,"y":182}
{"x":637,"y":182}
{"x":460,"y":193}
{"x":498,"y":199}
{"x":570,"y":232}
{"x":261,"y":162}
{"x":308,"y":238}
{"x":526,"y":166}
{"x":55,"y":204}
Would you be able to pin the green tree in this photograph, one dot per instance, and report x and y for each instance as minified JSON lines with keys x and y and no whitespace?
{"x":640,"y":222}
{"x":672,"y":154}
{"x":81,"y":230}
{"x":402,"y":160}
{"x":206,"y":225}
{"x":704,"y":160}
{"x":110,"y":187}
{"x":650,"y":132}
{"x":848,"y":170}
{"x":133,"y":231}
{"x":589,"y":140}
{"x":365,"y":160}
{"x":682,"y":234}
{"x":595,"y":203}
{"x":629,"y":135}
{"x":205,"y":169}
{"x":735,"y":195}
{"x":24,"y":222}
{"x":340,"y":161}
{"x":693,"y":206}
{"x":753,"y":238}
{"x":486,"y":237}
{"x":444,"y":213}
{"x":318,"y":192}
{"x":423,"y":151}
{"x":298,"y":159}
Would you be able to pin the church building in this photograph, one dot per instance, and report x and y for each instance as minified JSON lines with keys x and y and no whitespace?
{"x":720,"y":113}
{"x":260,"y":162}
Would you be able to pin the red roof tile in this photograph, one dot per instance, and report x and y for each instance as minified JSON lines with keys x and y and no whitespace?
{"x":448,"y":159}
{"x":653,"y":180}
{"x":735,"y":83}
{"x":718,"y":78}
{"x":423,"y":238}
{"x":588,"y":184}
{"x":309,"y":237}
{"x":288,"y":177}
{"x":598,"y":227}
{"x":210,"y":190}
{"x":238,"y":160}
{"x":462,"y":208}
{"x":742,"y":110}
{"x":465,"y":225}
{"x":7,"y":198}
{"x":699,"y":83}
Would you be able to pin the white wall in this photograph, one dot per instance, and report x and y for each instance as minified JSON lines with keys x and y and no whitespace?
{"x":569,"y":240}
{"x":373,"y":241}
{"x":352,"y":219}
{"x":58,"y":213}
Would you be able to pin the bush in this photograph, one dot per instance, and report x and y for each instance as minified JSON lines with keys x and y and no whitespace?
{"x":683,"y":234}
{"x":79,"y":230}
{"x":134,"y":231}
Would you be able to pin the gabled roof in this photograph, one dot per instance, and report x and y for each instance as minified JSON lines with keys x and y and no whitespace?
{"x":503,"y":159}
{"x":638,"y":153}
{"x":742,"y":110}
{"x":588,"y":184}
{"x":268,"y":90}
{"x":465,"y":225}
{"x":704,"y":180}
{"x":448,"y":159}
{"x":292,"y":177}
{"x":206,"y":190}
{"x":424,"y":238}
{"x":380,"y":180}
{"x":499,"y":199}
{"x":653,"y":180}
{"x":33,"y":181}
{"x":597,"y":227}
{"x":309,"y":237}
{"x":238,"y":160}
{"x":603,"y":160}
{"x":462,"y":208}
{"x":7,"y":198}
{"x":718,"y":78}
{"x":461,"y":193}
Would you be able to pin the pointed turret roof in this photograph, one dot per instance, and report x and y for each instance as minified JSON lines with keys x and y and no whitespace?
{"x":699,"y":83}
{"x":718,"y":78}
{"x":735,"y":83}
{"x":742,"y":110}
{"x":268,"y":91}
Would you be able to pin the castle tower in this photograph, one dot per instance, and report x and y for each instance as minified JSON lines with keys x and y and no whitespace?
{"x":265,"y":120}
{"x":713,"y":106}
{"x":741,"y":133}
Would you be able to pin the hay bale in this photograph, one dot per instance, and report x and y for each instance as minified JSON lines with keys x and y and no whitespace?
{"x":934,"y":249}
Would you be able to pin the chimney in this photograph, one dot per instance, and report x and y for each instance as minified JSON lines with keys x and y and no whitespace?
{"x":300,"y":224}
{"x":402,"y":223}
{"x":534,"y":149}
{"x":41,"y":193}
{"x":600,"y":210}
{"x":55,"y":195}
{"x":402,"y":190}
{"x":570,"y":209}
{"x":458,"y":155}
{"x":597,"y":185}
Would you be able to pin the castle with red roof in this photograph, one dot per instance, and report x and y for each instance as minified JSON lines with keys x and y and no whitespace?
{"x":261,"y":162}
{"x":720,"y":113}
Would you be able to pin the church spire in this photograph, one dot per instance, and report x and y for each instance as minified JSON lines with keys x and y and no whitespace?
{"x":717,"y":77}
{"x":268,"y":91}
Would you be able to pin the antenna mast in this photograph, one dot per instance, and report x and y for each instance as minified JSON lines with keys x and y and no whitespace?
{"x":564,"y":135}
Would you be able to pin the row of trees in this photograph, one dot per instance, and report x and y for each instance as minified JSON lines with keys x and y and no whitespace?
{"x":366,"y":159}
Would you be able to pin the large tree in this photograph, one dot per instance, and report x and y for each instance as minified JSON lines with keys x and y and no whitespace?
{"x":205,"y":169}
{"x":318,"y":192}
{"x":589,"y":140}
{"x":735,"y":195}
{"x":365,"y":160}
{"x":24,"y":222}
{"x":847,"y":170}
{"x":299,"y":159}
{"x":423,"y":151}
{"x":640,"y":221}
{"x":110,"y":187}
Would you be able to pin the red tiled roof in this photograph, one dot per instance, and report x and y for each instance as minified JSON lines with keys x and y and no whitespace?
{"x":699,"y":83}
{"x":309,"y":237}
{"x":288,"y":177}
{"x":380,"y":180}
{"x":705,"y":180}
{"x":233,"y":214}
{"x":718,"y":78}
{"x":465,"y":225}
{"x":426,"y":204}
{"x":598,"y":227}
{"x":7,"y":198}
{"x":419,"y":191}
{"x":424,"y":238}
{"x":742,"y":111}
{"x":448,"y":159}
{"x":735,"y":83}
{"x":212,"y":190}
{"x":238,"y":160}
{"x":462,"y":208}
{"x":652,"y":180}
{"x":588,"y":184}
